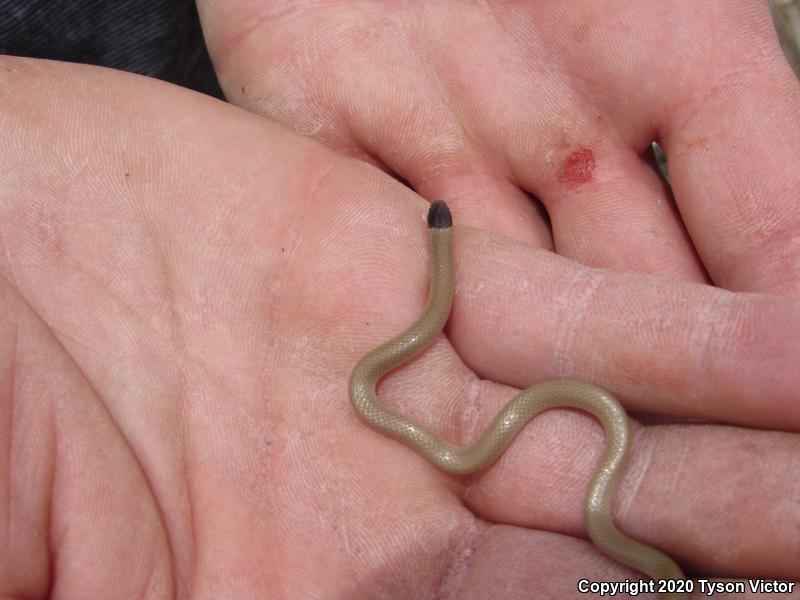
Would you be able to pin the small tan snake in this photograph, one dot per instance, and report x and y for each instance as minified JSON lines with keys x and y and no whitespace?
{"x":508,"y":423}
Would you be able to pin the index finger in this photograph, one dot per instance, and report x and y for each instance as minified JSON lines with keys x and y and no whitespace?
{"x":523,"y":315}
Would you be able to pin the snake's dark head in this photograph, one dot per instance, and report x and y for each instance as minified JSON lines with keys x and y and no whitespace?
{"x":439,"y":216}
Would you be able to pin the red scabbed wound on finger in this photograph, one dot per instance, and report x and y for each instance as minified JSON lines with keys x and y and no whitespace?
{"x":578,"y":168}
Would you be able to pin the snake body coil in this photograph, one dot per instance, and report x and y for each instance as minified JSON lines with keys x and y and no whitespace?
{"x":511,"y":419}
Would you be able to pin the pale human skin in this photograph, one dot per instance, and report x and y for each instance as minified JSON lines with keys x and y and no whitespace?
{"x":487,"y":103}
{"x":186,"y":287}
{"x":481,"y":103}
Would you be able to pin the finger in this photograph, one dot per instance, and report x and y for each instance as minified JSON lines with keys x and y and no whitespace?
{"x":522,"y":316}
{"x":665,"y":479}
{"x":522,"y":564}
{"x":489,"y":202}
{"x":515,"y":563}
{"x":609,"y":208}
{"x":690,"y":490}
{"x":402,"y":119}
{"x":732,"y":136}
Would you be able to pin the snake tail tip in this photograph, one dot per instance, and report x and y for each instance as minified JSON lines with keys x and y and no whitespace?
{"x":439,"y":216}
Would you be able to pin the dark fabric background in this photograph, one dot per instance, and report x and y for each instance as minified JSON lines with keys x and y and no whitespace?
{"x":159,"y":38}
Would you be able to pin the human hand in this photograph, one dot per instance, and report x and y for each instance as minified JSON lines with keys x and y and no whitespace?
{"x":185,"y":289}
{"x":484,"y":103}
